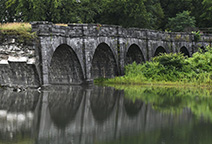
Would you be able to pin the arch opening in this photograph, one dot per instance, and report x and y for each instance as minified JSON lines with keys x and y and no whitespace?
{"x":184,"y":51}
{"x":134,"y":54}
{"x":159,"y":50}
{"x":65,"y":67}
{"x":104,"y":63}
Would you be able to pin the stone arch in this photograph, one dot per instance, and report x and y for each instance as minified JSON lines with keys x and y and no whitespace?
{"x":184,"y":51}
{"x":159,"y":50}
{"x":65,"y":67}
{"x":104,"y":62}
{"x":134,"y":54}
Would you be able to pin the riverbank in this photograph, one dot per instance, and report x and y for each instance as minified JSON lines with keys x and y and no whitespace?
{"x":168,"y":69}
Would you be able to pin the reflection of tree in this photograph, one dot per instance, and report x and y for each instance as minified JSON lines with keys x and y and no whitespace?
{"x":189,"y":134}
{"x":172,"y":99}
{"x":102,"y":102}
{"x":63,"y":106}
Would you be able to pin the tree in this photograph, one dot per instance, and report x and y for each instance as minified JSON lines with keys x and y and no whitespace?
{"x":207,"y":13}
{"x":196,"y":10}
{"x":8,"y":13}
{"x":127,"y":13}
{"x":181,"y":21}
{"x":155,"y":13}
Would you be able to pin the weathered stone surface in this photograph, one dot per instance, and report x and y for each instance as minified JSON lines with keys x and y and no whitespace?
{"x":19,"y":62}
{"x":79,"y":53}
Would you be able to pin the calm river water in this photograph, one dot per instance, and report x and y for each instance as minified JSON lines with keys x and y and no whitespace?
{"x":105,"y":115}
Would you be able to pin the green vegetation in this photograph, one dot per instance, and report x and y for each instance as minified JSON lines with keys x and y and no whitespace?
{"x":197,"y":35}
{"x":152,"y":14}
{"x":171,"y":68}
{"x":181,"y":21}
{"x":22,"y":30}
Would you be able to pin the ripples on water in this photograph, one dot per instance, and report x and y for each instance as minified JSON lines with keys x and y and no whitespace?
{"x":104,"y":115}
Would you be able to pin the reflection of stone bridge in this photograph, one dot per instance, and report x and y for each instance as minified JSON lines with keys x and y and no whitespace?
{"x":81,"y":52}
{"x":79,"y":115}
{"x":82,"y":116}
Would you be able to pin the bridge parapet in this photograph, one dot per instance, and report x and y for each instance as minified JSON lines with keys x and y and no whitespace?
{"x":181,"y":37}
{"x":98,"y":30}
{"x":206,"y":38}
{"x":132,"y":33}
{"x":74,"y":30}
{"x":50,"y":29}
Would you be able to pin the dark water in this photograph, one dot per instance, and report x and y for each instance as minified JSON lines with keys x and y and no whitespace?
{"x":104,"y":115}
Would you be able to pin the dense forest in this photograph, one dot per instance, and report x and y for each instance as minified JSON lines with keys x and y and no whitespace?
{"x":171,"y":15}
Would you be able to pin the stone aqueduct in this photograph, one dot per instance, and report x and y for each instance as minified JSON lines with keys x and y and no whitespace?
{"x":78,"y":53}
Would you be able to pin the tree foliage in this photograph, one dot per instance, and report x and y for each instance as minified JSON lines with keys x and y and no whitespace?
{"x":207,"y":13}
{"x":181,"y":21}
{"x":153,"y":14}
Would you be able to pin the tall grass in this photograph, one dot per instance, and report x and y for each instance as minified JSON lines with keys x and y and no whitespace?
{"x":15,"y":26}
{"x":171,"y":68}
{"x":20,"y":26}
{"x":21,"y":30}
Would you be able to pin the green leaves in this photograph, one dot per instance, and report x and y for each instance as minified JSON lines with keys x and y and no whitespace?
{"x":181,"y":21}
{"x":170,"y":68}
{"x":175,"y":15}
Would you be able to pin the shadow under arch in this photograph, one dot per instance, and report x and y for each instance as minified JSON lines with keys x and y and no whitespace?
{"x":65,"y":67}
{"x":184,"y":51}
{"x":63,"y":105}
{"x":159,"y":50}
{"x":134,"y":54}
{"x":104,"y":63}
{"x":103,"y":100}
{"x":132,"y":108}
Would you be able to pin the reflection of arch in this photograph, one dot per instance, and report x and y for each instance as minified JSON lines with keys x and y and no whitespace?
{"x":65,"y":67}
{"x":184,"y":51}
{"x":132,"y":108}
{"x":63,"y":106}
{"x":104,"y":63}
{"x":134,"y":54}
{"x":159,"y":50}
{"x":102,"y":103}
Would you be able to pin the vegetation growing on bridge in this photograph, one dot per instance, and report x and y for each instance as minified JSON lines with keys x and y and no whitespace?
{"x":170,"y":69}
{"x":22,"y":30}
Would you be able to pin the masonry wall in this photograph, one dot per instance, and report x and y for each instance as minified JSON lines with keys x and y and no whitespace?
{"x":94,"y":51}
{"x":19,"y":62}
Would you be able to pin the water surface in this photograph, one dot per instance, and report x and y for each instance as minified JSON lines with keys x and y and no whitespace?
{"x":105,"y":115}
